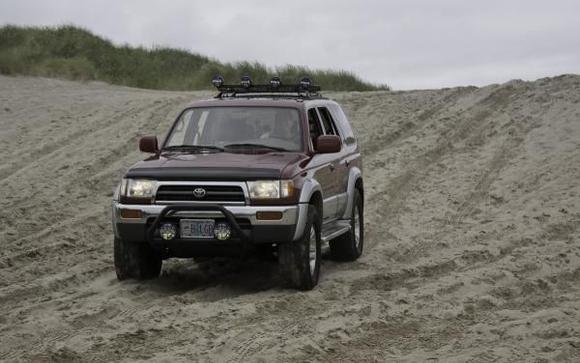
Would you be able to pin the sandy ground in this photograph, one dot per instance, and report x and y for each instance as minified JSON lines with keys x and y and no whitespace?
{"x":472,"y":215}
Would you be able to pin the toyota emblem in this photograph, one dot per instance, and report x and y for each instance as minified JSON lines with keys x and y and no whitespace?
{"x":199,"y":192}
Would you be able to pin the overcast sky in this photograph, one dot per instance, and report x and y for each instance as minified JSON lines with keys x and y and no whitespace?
{"x":406,"y":44}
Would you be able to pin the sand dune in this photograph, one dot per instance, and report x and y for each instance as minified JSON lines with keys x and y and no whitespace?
{"x":472,"y":215}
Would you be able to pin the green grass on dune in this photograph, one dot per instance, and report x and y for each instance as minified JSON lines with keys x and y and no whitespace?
{"x":74,"y":53}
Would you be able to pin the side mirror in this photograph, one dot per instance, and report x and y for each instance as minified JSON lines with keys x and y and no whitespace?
{"x":148,"y":144}
{"x":326,"y":144}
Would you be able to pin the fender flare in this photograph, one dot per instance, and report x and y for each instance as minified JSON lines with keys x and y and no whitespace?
{"x":353,"y":175}
{"x":309,"y":187}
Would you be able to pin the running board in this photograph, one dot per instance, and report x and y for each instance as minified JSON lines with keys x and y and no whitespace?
{"x":334,"y":229}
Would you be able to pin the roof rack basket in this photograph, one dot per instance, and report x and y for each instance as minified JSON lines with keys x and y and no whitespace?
{"x":303,"y":90}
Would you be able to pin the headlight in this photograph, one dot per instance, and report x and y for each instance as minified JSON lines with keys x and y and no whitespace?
{"x":138,"y":188}
{"x":270,"y":189}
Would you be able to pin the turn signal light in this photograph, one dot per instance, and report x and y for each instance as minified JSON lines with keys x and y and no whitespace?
{"x":131,"y":213}
{"x":269,"y":216}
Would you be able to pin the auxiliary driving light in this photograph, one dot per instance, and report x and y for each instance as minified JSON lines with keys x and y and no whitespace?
{"x":167,"y":231}
{"x":222,"y":231}
{"x":217,"y":81}
{"x":305,"y":83}
{"x":246,"y":82}
{"x":275,"y":82}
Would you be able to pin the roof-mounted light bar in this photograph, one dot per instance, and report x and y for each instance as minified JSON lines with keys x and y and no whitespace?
{"x":246,"y":82}
{"x":275,"y":82}
{"x":306,"y":83}
{"x":217,"y":81}
{"x":303,"y":89}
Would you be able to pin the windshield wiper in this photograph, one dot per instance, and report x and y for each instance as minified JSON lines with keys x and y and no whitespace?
{"x":192,"y":148}
{"x":248,"y":145}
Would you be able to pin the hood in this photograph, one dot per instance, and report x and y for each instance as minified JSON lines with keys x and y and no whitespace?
{"x":215,"y":166}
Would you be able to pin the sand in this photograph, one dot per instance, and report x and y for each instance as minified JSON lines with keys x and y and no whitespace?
{"x":472,"y":245}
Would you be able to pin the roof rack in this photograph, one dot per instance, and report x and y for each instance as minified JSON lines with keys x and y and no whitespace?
{"x":302,"y":90}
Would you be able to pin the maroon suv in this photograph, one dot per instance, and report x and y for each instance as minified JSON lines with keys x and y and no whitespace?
{"x":258,"y":167}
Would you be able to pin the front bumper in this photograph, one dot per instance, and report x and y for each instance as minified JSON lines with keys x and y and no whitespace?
{"x":250,"y":229}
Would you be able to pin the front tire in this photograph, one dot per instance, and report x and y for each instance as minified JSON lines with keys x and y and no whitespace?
{"x":349,"y":246}
{"x":299,"y":260}
{"x":135,"y":260}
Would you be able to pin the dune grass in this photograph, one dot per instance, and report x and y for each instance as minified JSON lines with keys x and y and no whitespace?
{"x":74,"y":53}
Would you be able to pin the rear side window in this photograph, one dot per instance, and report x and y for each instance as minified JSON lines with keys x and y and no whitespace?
{"x":342,"y":123}
{"x":327,"y":121}
{"x":314,"y":124}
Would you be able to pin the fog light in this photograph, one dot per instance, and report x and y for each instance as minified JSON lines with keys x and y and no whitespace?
{"x":167,"y":231}
{"x":222,"y":231}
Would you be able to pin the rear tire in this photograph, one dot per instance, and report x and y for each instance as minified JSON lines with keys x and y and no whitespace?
{"x":299,"y":260}
{"x":349,"y":246}
{"x":135,"y":260}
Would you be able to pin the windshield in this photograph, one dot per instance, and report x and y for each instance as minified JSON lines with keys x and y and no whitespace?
{"x":274,"y":128}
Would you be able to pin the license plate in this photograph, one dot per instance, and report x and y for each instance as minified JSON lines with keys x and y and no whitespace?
{"x":196,"y":228}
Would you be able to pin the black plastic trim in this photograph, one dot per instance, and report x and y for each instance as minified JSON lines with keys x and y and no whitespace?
{"x":204,"y":174}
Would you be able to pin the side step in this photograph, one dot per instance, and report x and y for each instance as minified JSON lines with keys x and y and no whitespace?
{"x":334,"y":229}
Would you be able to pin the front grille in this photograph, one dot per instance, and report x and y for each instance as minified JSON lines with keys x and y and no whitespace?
{"x":213,"y":193}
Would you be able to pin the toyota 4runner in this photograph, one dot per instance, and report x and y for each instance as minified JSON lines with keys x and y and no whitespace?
{"x":258,"y":167}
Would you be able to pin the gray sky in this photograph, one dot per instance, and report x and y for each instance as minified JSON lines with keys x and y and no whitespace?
{"x":406,"y":44}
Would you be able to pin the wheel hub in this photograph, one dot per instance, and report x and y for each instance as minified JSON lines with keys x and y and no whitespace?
{"x":312,"y":250}
{"x":357,"y":228}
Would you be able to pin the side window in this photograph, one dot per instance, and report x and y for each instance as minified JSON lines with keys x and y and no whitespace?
{"x":314,"y":125}
{"x":343,"y":124}
{"x":327,"y":121}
